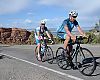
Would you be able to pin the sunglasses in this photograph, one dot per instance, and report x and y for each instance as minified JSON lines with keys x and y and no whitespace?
{"x":42,"y":24}
{"x":74,"y":16}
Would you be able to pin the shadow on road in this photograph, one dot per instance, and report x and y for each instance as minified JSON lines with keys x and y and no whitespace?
{"x":54,"y":60}
{"x":97,"y":71}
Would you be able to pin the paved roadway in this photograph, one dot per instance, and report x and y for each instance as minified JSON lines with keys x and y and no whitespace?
{"x":22,"y":65}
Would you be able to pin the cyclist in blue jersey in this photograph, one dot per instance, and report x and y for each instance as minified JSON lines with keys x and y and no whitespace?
{"x":39,"y":34}
{"x":68,"y":25}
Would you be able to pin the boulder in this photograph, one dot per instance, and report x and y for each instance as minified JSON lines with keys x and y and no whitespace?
{"x":14,"y":35}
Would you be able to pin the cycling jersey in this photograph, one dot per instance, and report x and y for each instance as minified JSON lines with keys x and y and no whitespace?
{"x":68,"y":24}
{"x":41,"y":31}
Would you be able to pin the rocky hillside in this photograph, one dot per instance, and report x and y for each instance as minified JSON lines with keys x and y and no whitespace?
{"x":14,"y":36}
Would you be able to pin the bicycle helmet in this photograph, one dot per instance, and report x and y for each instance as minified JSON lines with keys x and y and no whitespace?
{"x":73,"y":13}
{"x":43,"y":22}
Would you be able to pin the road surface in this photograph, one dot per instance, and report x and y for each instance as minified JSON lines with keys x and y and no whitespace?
{"x":21,"y":64}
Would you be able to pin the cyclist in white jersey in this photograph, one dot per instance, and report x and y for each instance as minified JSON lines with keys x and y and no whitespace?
{"x":39,"y":34}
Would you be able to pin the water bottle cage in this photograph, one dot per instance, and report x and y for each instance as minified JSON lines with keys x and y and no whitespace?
{"x":42,"y":48}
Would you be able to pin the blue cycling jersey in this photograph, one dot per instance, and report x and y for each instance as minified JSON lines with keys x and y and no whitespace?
{"x":70,"y":24}
{"x":66,"y":23}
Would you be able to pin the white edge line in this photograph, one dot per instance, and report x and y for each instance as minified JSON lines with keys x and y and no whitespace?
{"x":61,"y":73}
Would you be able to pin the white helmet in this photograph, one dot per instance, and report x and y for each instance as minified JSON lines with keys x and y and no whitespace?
{"x":73,"y":13}
{"x":43,"y":22}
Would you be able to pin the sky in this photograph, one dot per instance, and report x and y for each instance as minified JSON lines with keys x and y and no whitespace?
{"x":28,"y":13}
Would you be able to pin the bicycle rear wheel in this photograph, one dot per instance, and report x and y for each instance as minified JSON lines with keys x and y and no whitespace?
{"x":49,"y":55}
{"x":85,"y":62}
{"x":61,"y":59}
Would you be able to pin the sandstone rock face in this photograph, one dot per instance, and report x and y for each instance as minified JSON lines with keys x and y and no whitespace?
{"x":14,"y":36}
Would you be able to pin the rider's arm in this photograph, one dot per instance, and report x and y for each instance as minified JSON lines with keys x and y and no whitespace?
{"x":70,"y":34}
{"x":80,"y":31}
{"x":37,"y":30}
{"x":38,"y":33}
{"x":48,"y":34}
{"x":67,"y":31}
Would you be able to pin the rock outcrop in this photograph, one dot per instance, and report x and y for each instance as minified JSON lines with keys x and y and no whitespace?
{"x":14,"y":36}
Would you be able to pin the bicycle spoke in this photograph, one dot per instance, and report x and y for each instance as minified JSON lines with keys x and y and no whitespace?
{"x":87,"y":62}
{"x":49,"y":55}
{"x":61,"y":59}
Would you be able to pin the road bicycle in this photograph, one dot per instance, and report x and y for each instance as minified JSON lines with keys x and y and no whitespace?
{"x":46,"y":52}
{"x":82,"y":58}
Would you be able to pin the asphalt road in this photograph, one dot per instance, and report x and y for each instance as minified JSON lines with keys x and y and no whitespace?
{"x":21,"y":64}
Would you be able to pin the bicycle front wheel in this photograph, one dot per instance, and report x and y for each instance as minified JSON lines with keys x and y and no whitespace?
{"x":85,"y":61}
{"x":61,"y":59}
{"x":49,"y":55}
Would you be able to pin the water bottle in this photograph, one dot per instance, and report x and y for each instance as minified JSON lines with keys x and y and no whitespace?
{"x":42,"y":48}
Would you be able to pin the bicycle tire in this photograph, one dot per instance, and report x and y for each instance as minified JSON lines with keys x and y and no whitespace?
{"x":85,"y":62}
{"x":49,"y":55}
{"x":61,"y":59}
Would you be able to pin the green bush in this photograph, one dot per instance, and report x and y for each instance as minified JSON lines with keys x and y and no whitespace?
{"x":93,"y":39}
{"x":58,"y":40}
{"x":32,"y":38}
{"x":98,"y":38}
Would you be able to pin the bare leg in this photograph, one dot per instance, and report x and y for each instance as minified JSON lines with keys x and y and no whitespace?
{"x":39,"y":51}
{"x":69,"y":49}
{"x":66,"y":42}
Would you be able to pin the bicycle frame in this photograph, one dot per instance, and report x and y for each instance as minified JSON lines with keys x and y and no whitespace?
{"x":75,"y":51}
{"x":78,"y":47}
{"x":43,"y":44}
